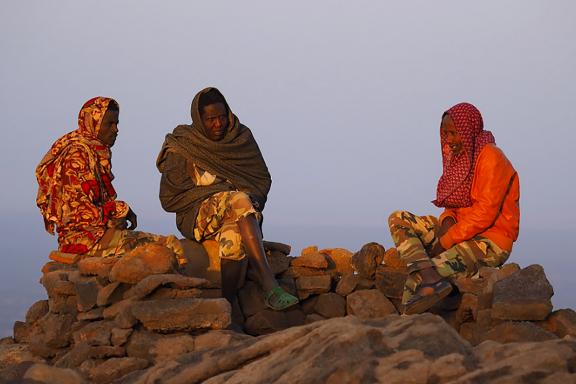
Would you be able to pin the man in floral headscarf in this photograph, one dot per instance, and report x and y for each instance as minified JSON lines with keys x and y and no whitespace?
{"x":479,"y":191}
{"x":76,"y":196}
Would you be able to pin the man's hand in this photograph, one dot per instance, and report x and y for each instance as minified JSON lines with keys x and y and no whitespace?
{"x":436,"y":249}
{"x":446,"y":224}
{"x":132,"y":218}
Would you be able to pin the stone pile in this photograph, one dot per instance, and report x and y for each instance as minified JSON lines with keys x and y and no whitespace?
{"x":142,"y":320}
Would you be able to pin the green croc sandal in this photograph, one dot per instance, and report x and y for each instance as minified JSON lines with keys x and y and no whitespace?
{"x":278,"y":299}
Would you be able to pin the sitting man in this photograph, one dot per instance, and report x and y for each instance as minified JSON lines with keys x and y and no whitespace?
{"x":76,"y":196}
{"x":479,"y":190}
{"x":216,"y":181}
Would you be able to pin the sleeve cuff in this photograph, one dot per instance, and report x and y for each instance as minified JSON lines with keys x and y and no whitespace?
{"x":446,"y":241}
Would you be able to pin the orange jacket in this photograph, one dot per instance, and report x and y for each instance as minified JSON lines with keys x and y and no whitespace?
{"x":495,"y":210}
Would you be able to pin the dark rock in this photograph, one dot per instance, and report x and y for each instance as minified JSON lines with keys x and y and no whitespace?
{"x":141,"y":344}
{"x":86,"y":293}
{"x":347,"y":284}
{"x":367,"y":259}
{"x":175,"y":293}
{"x":63,"y":305}
{"x":183,"y":314}
{"x":95,"y":333}
{"x":277,"y":247}
{"x":524,"y":295}
{"x":313,"y":317}
{"x":56,"y":330}
{"x":111,"y":293}
{"x":367,"y":304}
{"x":268,"y":321}
{"x":116,"y":368}
{"x":95,"y":314}
{"x":517,"y":331}
{"x":561,"y":322}
{"x":119,"y":336}
{"x":330,"y":305}
{"x":150,"y":283}
{"x":121,"y":312}
{"x":251,"y":299}
{"x":307,"y":285}
{"x":311,"y":260}
{"x":279,"y":262}
{"x":390,"y":281}
{"x":307,"y":305}
{"x":36,"y":311}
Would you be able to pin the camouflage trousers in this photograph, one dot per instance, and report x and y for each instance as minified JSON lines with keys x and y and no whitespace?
{"x":218,"y":219}
{"x":117,"y":242}
{"x":415,"y":235}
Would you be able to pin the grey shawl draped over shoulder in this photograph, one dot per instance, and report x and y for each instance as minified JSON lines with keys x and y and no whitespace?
{"x":236,"y":160}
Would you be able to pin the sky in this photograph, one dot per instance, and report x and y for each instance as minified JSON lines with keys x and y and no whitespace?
{"x":344,"y":99}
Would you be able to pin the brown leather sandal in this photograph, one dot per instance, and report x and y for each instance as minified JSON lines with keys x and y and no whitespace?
{"x":421,"y":303}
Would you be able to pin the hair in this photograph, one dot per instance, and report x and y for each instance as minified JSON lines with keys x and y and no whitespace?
{"x":213,"y":96}
{"x":113,"y":106}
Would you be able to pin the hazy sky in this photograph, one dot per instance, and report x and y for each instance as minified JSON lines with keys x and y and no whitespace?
{"x":344,"y":98}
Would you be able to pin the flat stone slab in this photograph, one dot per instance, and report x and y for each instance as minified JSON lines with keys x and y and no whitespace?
{"x":368,"y":304}
{"x":150,"y":283}
{"x":183,"y":314}
{"x":524,"y":295}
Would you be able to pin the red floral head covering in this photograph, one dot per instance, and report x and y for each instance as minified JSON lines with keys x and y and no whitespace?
{"x":85,"y":139}
{"x":456,"y":181}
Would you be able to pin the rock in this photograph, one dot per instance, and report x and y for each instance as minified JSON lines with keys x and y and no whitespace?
{"x":311,"y":260}
{"x":119,"y":336}
{"x":97,"y":266}
{"x":468,"y":308}
{"x":268,"y":321}
{"x":515,"y":331}
{"x":390,"y":281}
{"x":111,"y":293}
{"x":312,"y":317}
{"x":13,"y":354}
{"x":507,"y":270}
{"x":279,"y":262}
{"x":141,"y":344}
{"x":524,"y":295}
{"x":42,"y":373}
{"x":56,"y":284}
{"x":561,"y":322}
{"x":95,"y":314}
{"x":307,"y":285}
{"x":473,"y":285}
{"x":116,"y":368}
{"x":295,"y":272}
{"x":150,"y":283}
{"x":219,"y":339}
{"x":309,"y":250}
{"x":307,"y":305}
{"x":95,"y":333}
{"x":170,"y":347}
{"x":63,"y":305}
{"x":175,"y":293}
{"x":278,"y":247}
{"x":141,"y":262}
{"x":347,"y":284}
{"x":367,"y":259}
{"x":392,"y":259}
{"x":341,"y":259}
{"x":86,"y":293}
{"x":415,"y":368}
{"x":121,"y":312}
{"x":55,"y":330}
{"x":448,"y":368}
{"x":36,"y":311}
{"x":368,"y":304}
{"x":183,"y":314}
{"x":330,"y":305}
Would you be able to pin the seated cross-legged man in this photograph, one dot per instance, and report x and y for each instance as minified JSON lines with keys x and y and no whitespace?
{"x":216,"y":181}
{"x":479,"y":191}
{"x":76,"y":196}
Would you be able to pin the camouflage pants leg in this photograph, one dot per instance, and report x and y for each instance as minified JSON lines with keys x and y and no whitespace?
{"x":117,"y":242}
{"x":218,"y":219}
{"x":415,"y":235}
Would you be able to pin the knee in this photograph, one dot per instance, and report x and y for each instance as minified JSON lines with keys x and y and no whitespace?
{"x":396,"y":215}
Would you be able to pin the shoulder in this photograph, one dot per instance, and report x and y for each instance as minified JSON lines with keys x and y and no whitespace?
{"x":491,"y":156}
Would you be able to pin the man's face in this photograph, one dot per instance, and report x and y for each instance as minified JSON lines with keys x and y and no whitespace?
{"x":451,"y":136}
{"x":215,"y":120}
{"x":109,"y":128}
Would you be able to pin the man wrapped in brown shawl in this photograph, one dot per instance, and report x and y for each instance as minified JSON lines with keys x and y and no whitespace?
{"x":216,"y":181}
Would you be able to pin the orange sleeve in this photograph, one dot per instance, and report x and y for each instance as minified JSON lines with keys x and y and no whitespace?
{"x":448,"y":212}
{"x":491,"y":180}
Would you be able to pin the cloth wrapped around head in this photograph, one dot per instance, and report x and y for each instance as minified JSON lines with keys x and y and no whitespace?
{"x":458,"y":170}
{"x":49,"y":172}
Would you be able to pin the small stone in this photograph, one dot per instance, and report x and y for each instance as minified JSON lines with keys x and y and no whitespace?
{"x":116,"y":368}
{"x":268,"y":321}
{"x":36,"y":311}
{"x":392,"y":259}
{"x":63,"y":305}
{"x":517,"y":331}
{"x":331,"y":305}
{"x":183,"y":314}
{"x":121,"y":312}
{"x":86,"y":292}
{"x":309,"y":250}
{"x":313,"y":317}
{"x":148,"y":284}
{"x":119,"y":336}
{"x":368,"y":304}
{"x":295,"y":272}
{"x":111,"y":293}
{"x":341,"y":259}
{"x":279,"y":262}
{"x":95,"y":333}
{"x":468,"y":309}
{"x":347,"y":284}
{"x":218,"y":339}
{"x":307,"y":305}
{"x":97,"y":266}
{"x":524,"y":295}
{"x":390,"y":281}
{"x":278,"y":247}
{"x":175,"y":293}
{"x":311,"y":260}
{"x":367,"y":259}
{"x":308,"y":285}
{"x":561,"y":322}
{"x":43,"y":373}
{"x":95,"y":314}
{"x":507,"y":270}
{"x":149,"y":259}
{"x":470,"y":285}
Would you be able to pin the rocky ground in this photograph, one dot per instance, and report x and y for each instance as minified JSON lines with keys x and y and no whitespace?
{"x":139,"y":320}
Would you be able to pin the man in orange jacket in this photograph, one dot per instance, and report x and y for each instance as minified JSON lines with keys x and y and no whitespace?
{"x":479,"y":191}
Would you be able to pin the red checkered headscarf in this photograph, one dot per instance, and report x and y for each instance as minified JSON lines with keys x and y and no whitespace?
{"x":458,"y":171}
